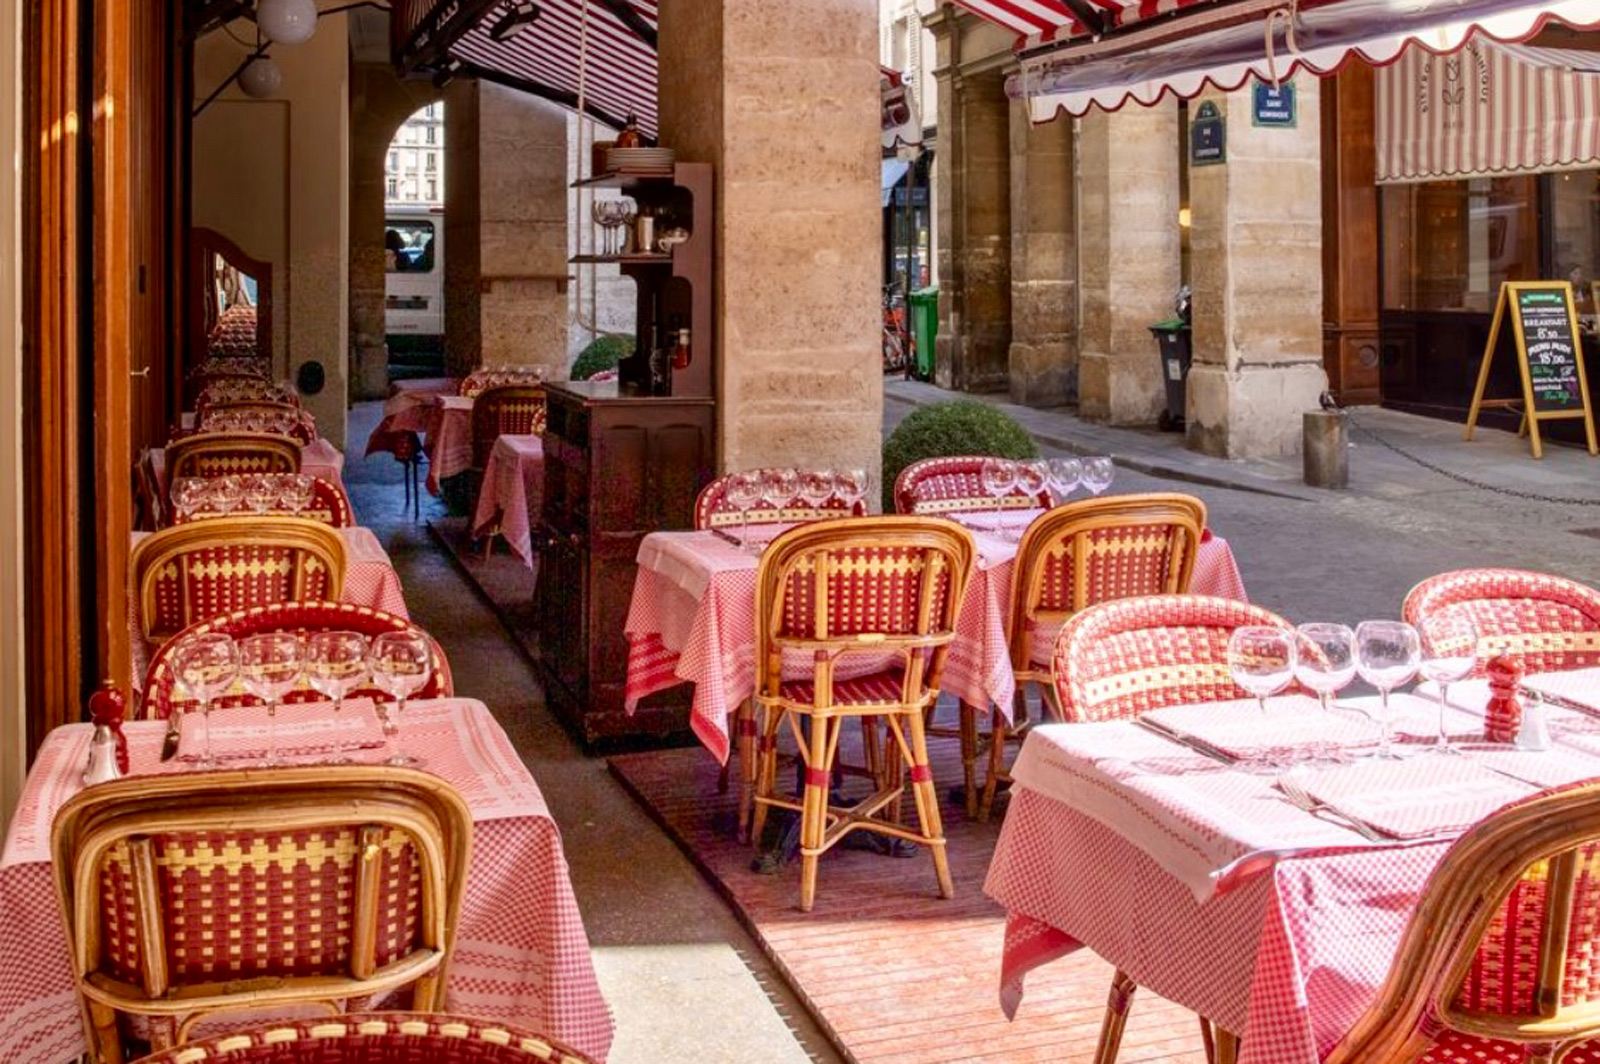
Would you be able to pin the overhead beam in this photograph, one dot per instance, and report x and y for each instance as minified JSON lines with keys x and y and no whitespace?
{"x":444,"y":23}
{"x":629,"y":16}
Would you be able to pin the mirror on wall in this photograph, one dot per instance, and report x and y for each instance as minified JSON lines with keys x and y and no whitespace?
{"x":230,"y":312}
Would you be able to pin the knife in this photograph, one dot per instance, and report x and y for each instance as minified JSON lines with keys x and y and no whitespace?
{"x":169,"y":745}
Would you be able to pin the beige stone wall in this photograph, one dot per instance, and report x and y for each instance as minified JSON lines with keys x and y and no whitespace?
{"x":13,"y":719}
{"x":783,"y":99}
{"x":1044,"y":262}
{"x":1256,"y":254}
{"x":1128,"y":257}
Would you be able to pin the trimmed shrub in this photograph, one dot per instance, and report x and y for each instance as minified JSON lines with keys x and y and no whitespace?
{"x":603,"y":353}
{"x":956,"y":426}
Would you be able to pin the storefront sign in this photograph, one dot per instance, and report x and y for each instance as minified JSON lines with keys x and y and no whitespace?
{"x":1273,"y":106}
{"x":1544,"y":324}
{"x":1207,"y":137}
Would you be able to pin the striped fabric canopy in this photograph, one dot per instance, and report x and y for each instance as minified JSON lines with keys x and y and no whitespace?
{"x":1042,"y":21}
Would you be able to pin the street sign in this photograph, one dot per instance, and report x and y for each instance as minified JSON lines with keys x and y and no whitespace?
{"x":1273,"y":106}
{"x":1544,"y":325}
{"x":1207,"y":137}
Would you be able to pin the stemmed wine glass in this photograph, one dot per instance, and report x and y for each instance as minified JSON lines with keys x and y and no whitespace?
{"x":260,"y":494}
{"x":1261,"y":659}
{"x":1326,"y":661}
{"x":188,"y":495}
{"x":1098,"y":473}
{"x":1449,"y":653}
{"x":850,"y":485}
{"x":335,"y":665}
{"x":401,"y":663}
{"x":999,"y":477}
{"x":225,"y":494}
{"x":779,"y":487}
{"x":1388,"y":654}
{"x":744,"y":491}
{"x":270,"y":664}
{"x":207,"y":666}
{"x":627,"y":211}
{"x":1033,"y":477}
{"x":1065,"y":474}
{"x":299,"y":490}
{"x":816,"y":487}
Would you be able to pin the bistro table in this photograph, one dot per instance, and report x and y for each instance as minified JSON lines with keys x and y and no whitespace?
{"x":319,"y":458}
{"x":407,"y":408}
{"x":1207,"y":885}
{"x":521,"y":954}
{"x":692,"y":619}
{"x":448,"y":426}
{"x":513,"y":485}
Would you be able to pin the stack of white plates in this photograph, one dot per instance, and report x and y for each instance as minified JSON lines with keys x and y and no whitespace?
{"x":640,"y":158}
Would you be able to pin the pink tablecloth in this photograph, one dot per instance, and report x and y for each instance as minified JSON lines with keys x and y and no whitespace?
{"x":1287,"y":939}
{"x":521,"y":952}
{"x":406,"y":409}
{"x":369,"y":580}
{"x":692,"y":619}
{"x":449,"y":444}
{"x":319,"y":458}
{"x":513,"y":485}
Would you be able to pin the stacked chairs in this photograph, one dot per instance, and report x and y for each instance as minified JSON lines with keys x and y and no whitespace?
{"x":191,"y":573}
{"x":390,"y":1037}
{"x":221,"y":455}
{"x":163,"y":695}
{"x":954,"y":485}
{"x":329,"y":504}
{"x":190,"y":895}
{"x":1073,"y":557}
{"x":1119,"y":659}
{"x":1546,"y":622}
{"x":886,"y":588}
{"x":503,"y":410}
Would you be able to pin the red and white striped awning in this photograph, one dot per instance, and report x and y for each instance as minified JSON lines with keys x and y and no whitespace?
{"x":1038,"y":22}
{"x":600,"y":53}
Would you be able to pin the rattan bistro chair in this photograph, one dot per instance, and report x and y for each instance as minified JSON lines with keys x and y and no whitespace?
{"x":832,"y":590}
{"x":163,"y":695}
{"x":208,"y":454}
{"x":953,"y":485}
{"x":1500,"y":963}
{"x":368,"y":1038}
{"x":1077,"y":555}
{"x":191,"y":894}
{"x":503,"y":410}
{"x":1118,"y":659}
{"x":193,"y":572}
{"x":1548,"y":622}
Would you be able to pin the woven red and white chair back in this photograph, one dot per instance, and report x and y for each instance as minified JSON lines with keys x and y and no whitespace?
{"x":194,"y":572}
{"x":366,"y":1038}
{"x":329,"y":504}
{"x":190,"y":892}
{"x":876,"y":585}
{"x":163,"y":695}
{"x":235,"y":333}
{"x":713,"y":510}
{"x":283,"y":419}
{"x":505,"y":410}
{"x":1098,"y":550}
{"x":479,"y":381}
{"x":954,"y":485}
{"x":1119,"y":659}
{"x":205,"y":454}
{"x":1500,"y":963}
{"x":1548,"y":622}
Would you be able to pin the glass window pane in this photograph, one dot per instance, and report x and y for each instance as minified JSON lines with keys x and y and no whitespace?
{"x":1448,"y":245}
{"x":1575,"y":226}
{"x":408,"y":246}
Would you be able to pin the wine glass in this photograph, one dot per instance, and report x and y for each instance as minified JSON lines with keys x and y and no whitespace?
{"x":1449,"y":653}
{"x":1033,"y":477}
{"x":299,"y":491}
{"x":999,"y":478}
{"x":207,"y":666}
{"x":626,"y":212}
{"x":1261,"y":659}
{"x":600,"y":211}
{"x":401,"y":663}
{"x":1065,"y":475}
{"x":226,"y":493}
{"x":1325,"y":661}
{"x":188,"y":495}
{"x":779,"y":488}
{"x":851,"y":487}
{"x":1388,"y":654}
{"x":1098,"y":473}
{"x":335,"y":665}
{"x":816,"y":487}
{"x":269,"y":667}
{"x":744,"y":491}
{"x":260,"y":494}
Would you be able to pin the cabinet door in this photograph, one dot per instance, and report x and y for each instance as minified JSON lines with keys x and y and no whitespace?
{"x":563,"y":627}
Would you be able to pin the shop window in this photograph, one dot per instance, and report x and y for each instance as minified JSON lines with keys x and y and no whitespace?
{"x":1575,"y":233}
{"x":1448,"y":245}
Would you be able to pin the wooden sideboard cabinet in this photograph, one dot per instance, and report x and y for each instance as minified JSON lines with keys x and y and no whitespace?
{"x":617,"y":467}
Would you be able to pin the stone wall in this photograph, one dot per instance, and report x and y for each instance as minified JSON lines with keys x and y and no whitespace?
{"x":1044,"y":262}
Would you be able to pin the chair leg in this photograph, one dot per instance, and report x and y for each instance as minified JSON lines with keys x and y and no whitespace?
{"x":969,"y":756}
{"x":747,"y":761}
{"x":488,"y":546}
{"x":107,"y":1048}
{"x":1227,"y":1046}
{"x":927,"y":799}
{"x":766,"y":771}
{"x":1118,"y":1002}
{"x":814,"y":807}
{"x":998,"y":732}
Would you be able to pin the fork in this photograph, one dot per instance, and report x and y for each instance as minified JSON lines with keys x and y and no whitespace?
{"x":1300,"y":798}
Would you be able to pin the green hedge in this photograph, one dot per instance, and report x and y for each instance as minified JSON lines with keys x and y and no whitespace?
{"x":956,"y":426}
{"x":603,"y":353}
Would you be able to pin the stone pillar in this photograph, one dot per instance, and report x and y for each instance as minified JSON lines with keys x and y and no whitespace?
{"x":1256,"y":254}
{"x":1044,"y":262}
{"x":972,"y":186}
{"x":783,"y":99}
{"x":1129,"y":258}
{"x":505,"y":229}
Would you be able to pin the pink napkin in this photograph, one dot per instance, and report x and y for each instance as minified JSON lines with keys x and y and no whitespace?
{"x":304,"y":729}
{"x":1416,"y":797}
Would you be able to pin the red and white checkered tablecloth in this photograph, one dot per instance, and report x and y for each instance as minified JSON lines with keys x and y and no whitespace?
{"x":406,"y":409}
{"x":449,"y":438}
{"x":369,"y":580}
{"x":513,"y":486}
{"x":521,"y":953}
{"x":319,"y":458}
{"x":1104,"y":835}
{"x":692,"y":619}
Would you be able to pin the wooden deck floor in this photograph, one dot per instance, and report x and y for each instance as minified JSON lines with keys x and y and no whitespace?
{"x":892,"y":972}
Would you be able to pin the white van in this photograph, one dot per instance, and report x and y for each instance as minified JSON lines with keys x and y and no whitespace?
{"x":413,"y":242}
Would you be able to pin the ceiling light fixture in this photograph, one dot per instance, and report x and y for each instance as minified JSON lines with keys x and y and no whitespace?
{"x":287,"y":21}
{"x":518,"y":15}
{"x":447,"y":73}
{"x":261,"y":78}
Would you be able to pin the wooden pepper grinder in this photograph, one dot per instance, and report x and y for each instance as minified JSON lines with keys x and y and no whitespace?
{"x":1502,"y":719}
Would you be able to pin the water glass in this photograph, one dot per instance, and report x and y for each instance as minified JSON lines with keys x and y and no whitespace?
{"x":270,"y":664}
{"x":1325,"y":661}
{"x":1098,"y":473}
{"x":850,"y":485}
{"x":401,"y":663}
{"x":1449,"y":653}
{"x":207,"y":666}
{"x":1065,"y":475}
{"x":1261,"y":659}
{"x":335,"y":665}
{"x":744,"y":491}
{"x":1388,"y":654}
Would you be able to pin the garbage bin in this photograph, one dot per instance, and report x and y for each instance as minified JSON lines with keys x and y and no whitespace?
{"x":924,"y":328}
{"x":1175,"y":346}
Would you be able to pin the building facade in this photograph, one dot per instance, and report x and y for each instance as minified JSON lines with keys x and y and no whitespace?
{"x":414,"y":167}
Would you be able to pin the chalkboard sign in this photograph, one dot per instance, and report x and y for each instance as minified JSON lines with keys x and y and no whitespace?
{"x":1549,"y":354}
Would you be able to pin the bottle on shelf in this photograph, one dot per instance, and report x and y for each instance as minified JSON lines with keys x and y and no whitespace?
{"x":681,"y":354}
{"x":629,"y":136}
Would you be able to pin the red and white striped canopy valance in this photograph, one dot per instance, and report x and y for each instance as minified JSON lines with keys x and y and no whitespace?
{"x":1037,"y":22}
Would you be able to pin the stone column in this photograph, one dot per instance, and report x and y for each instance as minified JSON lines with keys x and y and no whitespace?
{"x":1044,"y":262}
{"x":1129,"y":258}
{"x":1256,"y":254}
{"x":783,"y":99}
{"x":973,"y":202}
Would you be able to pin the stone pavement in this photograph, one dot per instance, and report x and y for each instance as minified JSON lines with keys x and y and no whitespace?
{"x":1314,"y":554}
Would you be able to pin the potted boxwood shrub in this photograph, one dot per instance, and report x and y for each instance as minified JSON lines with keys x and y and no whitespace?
{"x":601,"y":354}
{"x":955,"y":426}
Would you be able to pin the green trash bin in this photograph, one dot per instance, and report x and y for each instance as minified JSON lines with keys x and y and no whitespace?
{"x":924,"y":328}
